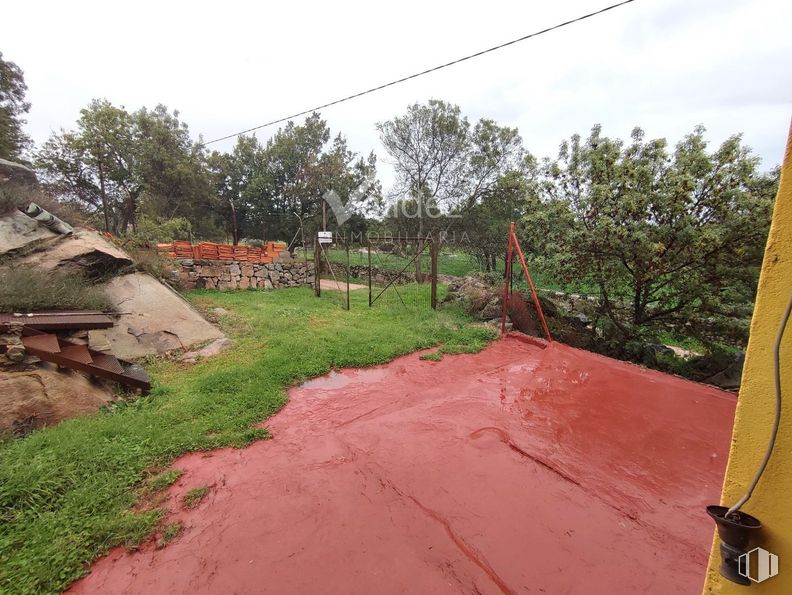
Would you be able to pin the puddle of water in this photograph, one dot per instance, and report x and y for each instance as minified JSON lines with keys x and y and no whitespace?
{"x":336,"y":379}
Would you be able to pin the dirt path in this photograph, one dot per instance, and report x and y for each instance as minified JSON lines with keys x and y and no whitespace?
{"x":516,"y":470}
{"x":332,"y":285}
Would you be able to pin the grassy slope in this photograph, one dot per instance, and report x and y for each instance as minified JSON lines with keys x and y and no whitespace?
{"x":66,"y":493}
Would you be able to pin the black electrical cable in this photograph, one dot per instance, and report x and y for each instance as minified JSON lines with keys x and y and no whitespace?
{"x":776,"y":420}
{"x":422,"y":73}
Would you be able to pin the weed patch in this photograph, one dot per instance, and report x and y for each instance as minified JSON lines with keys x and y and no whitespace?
{"x":194,"y":497}
{"x":30,"y":289}
{"x":170,"y":532}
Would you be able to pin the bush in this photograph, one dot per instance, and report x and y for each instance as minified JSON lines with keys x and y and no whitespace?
{"x":25,"y":289}
{"x":156,"y":229}
{"x":146,"y":259}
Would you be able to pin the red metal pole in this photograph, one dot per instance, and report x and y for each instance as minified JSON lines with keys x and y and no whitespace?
{"x":531,"y":285}
{"x":505,"y":300}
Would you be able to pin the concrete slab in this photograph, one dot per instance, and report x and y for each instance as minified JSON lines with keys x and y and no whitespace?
{"x":515,"y":470}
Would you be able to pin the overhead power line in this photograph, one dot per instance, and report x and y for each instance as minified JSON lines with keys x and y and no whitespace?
{"x":422,"y":73}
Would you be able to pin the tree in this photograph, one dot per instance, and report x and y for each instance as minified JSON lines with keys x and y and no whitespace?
{"x":667,"y":239}
{"x":430,"y":148}
{"x":235,"y":179}
{"x":513,"y":194}
{"x":13,"y":141}
{"x":122,"y":164}
{"x":273,"y":188}
{"x":441,"y":164}
{"x":174,"y":172}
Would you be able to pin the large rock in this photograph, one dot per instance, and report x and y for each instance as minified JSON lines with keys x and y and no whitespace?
{"x":522,"y":312}
{"x":729,"y":375}
{"x":34,"y":399}
{"x":16,"y":173}
{"x":153,"y":319}
{"x":86,"y":252}
{"x":18,"y":231}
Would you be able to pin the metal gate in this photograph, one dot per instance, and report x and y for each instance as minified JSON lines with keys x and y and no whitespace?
{"x":326,"y":262}
{"x":398,"y":261}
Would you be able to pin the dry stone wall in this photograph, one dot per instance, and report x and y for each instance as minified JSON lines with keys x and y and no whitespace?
{"x":224,"y":275}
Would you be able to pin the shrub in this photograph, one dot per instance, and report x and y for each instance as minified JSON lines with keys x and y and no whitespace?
{"x":146,"y":259}
{"x":25,"y":289}
{"x":155,"y":229}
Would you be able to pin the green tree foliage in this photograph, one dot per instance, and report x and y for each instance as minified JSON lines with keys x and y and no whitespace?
{"x":12,"y":109}
{"x":122,"y":165}
{"x":513,"y":194}
{"x":429,"y":146}
{"x":443,"y":167}
{"x":272,"y":188}
{"x":668,"y":238}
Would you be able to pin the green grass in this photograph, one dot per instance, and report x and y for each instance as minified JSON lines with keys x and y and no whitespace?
{"x":67,"y":493}
{"x":170,"y":532}
{"x":689,"y":343}
{"x":160,"y":481}
{"x":193,"y":497}
{"x":457,"y":264}
{"x":31,"y":289}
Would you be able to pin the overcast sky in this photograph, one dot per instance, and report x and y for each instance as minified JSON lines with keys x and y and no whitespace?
{"x":665,"y":65}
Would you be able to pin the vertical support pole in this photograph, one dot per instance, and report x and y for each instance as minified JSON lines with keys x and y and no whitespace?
{"x":305,"y":252}
{"x":434,"y":251}
{"x":347,"y":274}
{"x":317,"y":266}
{"x":369,"y":270}
{"x":507,"y":281}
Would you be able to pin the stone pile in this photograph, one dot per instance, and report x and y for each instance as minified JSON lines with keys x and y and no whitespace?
{"x":12,"y":353}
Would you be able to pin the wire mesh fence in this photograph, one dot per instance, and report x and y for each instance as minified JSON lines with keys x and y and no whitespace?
{"x":395,"y":272}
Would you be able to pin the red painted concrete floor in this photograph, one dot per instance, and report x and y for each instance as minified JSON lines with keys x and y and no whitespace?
{"x":515,"y":470}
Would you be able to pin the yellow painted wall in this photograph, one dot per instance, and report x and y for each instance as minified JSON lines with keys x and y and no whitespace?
{"x":771,"y":502}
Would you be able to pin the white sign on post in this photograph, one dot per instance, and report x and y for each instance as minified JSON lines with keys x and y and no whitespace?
{"x":325,"y":237}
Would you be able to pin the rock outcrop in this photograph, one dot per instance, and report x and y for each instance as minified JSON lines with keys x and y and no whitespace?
{"x":16,"y":173}
{"x":152,"y":318}
{"x":31,"y":400}
{"x":18,"y":231}
{"x":85,"y":252}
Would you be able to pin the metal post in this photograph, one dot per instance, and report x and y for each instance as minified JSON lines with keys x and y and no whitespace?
{"x":347,"y":275}
{"x":434,"y":251}
{"x":507,"y":281}
{"x":369,"y":270}
{"x":317,"y":265}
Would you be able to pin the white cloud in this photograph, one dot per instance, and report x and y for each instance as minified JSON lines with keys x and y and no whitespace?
{"x":665,"y":66}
